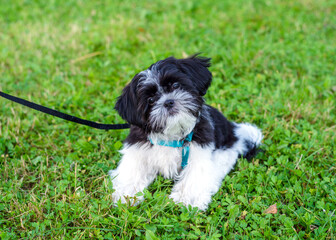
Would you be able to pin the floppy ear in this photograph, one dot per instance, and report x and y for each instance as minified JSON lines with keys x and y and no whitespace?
{"x":127,"y":104}
{"x":197,"y":68}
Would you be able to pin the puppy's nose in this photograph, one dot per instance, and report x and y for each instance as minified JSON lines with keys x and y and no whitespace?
{"x":169,"y":103}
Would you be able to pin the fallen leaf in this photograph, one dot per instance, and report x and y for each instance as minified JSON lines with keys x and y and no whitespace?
{"x":272,"y":209}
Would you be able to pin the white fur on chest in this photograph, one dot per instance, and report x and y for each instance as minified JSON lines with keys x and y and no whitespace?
{"x":163,"y":160}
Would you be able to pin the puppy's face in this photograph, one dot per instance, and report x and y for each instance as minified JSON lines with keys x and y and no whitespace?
{"x":167,"y":97}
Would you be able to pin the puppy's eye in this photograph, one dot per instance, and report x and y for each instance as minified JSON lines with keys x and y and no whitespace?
{"x":176,"y":85}
{"x":151,"y":100}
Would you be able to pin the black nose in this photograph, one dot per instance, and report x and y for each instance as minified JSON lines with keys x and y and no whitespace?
{"x":169,"y":103}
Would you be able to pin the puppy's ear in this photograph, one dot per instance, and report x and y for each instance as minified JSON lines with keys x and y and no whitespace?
{"x":127,"y":104}
{"x":196,"y":67}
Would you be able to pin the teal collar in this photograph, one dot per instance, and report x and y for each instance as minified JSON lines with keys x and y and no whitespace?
{"x":184,"y":144}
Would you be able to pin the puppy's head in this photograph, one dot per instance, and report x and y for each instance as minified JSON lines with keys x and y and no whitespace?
{"x":167,"y":97}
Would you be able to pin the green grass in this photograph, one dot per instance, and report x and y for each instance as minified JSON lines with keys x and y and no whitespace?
{"x":273,"y":65}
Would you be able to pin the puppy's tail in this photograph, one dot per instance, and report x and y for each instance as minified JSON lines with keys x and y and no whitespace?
{"x":249,"y":138}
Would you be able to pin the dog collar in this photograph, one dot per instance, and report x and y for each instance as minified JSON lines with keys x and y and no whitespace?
{"x":184,"y":144}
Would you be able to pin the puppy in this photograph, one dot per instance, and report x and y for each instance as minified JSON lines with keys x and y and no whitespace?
{"x":175,"y":134}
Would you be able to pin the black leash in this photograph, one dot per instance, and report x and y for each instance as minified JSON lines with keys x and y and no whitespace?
{"x":63,"y":115}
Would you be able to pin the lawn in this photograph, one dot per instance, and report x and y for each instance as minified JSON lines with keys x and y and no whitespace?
{"x":273,"y":64}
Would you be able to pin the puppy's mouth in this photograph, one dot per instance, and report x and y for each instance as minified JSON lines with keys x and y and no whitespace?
{"x":172,"y":112}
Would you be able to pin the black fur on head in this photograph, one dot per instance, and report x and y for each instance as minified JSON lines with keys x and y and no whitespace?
{"x":197,"y":69}
{"x":179,"y":83}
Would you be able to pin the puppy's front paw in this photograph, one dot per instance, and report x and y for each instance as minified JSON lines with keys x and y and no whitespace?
{"x":195,"y":201}
{"x":175,"y":197}
{"x":126,"y":194}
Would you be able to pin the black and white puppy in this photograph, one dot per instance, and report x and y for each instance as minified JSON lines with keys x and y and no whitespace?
{"x":164,"y":104}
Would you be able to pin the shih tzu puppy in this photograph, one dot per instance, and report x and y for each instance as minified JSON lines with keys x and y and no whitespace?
{"x":175,"y":134}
